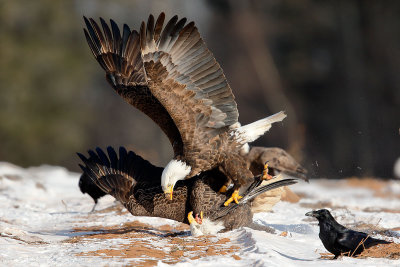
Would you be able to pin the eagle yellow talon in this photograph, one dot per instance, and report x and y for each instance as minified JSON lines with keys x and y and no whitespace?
{"x":265,"y":175}
{"x":190,"y":217}
{"x":223,"y":189}
{"x":235,"y":197}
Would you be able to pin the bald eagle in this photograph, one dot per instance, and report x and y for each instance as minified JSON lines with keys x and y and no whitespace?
{"x":168,"y":73}
{"x":135,"y":182}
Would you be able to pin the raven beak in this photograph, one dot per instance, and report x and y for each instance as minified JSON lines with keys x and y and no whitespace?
{"x":311,"y":214}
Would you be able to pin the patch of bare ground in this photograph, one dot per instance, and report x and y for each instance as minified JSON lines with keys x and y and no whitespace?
{"x":388,"y":251}
{"x":379,"y":187}
{"x":141,"y":251}
{"x":326,"y":256}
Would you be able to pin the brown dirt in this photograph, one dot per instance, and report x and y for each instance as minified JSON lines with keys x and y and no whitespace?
{"x":379,"y":187}
{"x":141,"y":250}
{"x":389,"y":251}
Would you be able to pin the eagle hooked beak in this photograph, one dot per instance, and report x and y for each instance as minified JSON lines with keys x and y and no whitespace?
{"x":198,"y":219}
{"x":170,"y":191}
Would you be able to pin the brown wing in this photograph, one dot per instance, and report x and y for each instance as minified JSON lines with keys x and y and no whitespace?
{"x":135,"y":182}
{"x":185,"y":77}
{"x":120,"y":57}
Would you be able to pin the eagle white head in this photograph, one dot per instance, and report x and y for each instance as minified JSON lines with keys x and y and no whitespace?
{"x":174,"y":171}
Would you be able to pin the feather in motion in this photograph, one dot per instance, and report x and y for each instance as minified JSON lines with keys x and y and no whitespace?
{"x":168,"y":73}
{"x":135,"y":182}
{"x":340,"y":240}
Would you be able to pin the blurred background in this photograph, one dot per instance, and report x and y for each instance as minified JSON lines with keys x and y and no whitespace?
{"x":333,"y":66}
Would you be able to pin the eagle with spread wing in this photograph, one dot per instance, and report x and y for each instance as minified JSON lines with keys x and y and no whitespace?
{"x":135,"y":182}
{"x":168,"y":73}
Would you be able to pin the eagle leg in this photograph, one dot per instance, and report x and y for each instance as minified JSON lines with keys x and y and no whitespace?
{"x":265,"y":175}
{"x":235,"y":197}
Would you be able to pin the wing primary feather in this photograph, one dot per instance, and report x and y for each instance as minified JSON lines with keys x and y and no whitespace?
{"x":150,"y":29}
{"x":92,"y":46}
{"x":175,"y":33}
{"x":116,"y":37}
{"x":107,"y":34}
{"x":92,"y":34}
{"x":100,"y":38}
{"x":113,"y":157}
{"x":103,"y":157}
{"x":125,"y":36}
{"x":159,"y":25}
{"x":166,"y":32}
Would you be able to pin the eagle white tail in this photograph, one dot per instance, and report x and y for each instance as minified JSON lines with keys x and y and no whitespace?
{"x":250,"y":132}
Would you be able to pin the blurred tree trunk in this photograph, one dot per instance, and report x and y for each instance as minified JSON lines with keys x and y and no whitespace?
{"x":357,"y":91}
{"x":250,"y":26}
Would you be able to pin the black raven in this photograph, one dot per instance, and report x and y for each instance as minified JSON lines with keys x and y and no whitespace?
{"x":340,"y":240}
{"x":87,"y":186}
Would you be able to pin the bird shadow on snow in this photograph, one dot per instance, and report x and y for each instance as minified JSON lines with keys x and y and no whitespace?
{"x":291,"y":257}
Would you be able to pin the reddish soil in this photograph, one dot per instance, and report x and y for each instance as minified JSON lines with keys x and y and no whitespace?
{"x":141,"y":251}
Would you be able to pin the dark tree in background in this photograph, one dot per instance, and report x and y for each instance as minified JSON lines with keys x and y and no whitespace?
{"x":332,"y":65}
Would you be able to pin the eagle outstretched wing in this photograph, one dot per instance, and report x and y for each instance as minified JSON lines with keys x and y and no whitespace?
{"x":120,"y":56}
{"x":169,"y":74}
{"x":185,"y":77}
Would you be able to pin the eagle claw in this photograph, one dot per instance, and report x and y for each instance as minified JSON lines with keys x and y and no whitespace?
{"x":223,"y":189}
{"x":235,"y":197}
{"x":265,"y":175}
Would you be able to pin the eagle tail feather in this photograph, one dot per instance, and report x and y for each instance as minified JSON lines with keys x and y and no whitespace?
{"x":253,"y":191}
{"x":251,"y":132}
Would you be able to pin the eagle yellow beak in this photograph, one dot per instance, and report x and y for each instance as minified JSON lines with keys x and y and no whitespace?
{"x":170,"y":191}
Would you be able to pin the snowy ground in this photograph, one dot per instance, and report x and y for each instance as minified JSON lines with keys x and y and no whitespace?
{"x":45,"y":220}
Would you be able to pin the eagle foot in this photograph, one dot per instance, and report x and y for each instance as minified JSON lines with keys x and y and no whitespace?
{"x":235,"y":197}
{"x":265,"y":175}
{"x":197,"y":219}
{"x":223,"y":189}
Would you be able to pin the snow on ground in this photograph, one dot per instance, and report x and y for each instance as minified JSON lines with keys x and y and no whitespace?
{"x":45,"y":220}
